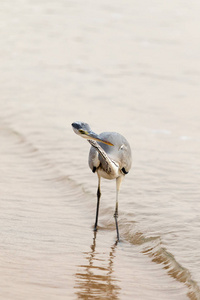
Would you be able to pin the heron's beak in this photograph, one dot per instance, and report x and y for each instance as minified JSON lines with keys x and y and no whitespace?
{"x":93,"y":136}
{"x":87,"y":133}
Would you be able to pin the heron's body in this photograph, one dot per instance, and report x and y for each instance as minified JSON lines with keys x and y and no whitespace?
{"x":109,"y":157}
{"x":119,"y":155}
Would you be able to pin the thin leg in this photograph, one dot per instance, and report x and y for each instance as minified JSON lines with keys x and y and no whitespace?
{"x":116,"y":223}
{"x":98,"y":202}
{"x":118,"y":183}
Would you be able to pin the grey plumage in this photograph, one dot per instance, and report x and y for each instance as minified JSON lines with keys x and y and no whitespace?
{"x":119,"y":153}
{"x":109,"y":157}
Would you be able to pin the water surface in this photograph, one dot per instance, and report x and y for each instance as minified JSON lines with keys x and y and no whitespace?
{"x":126,"y":67}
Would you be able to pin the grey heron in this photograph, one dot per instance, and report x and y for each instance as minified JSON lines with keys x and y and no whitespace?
{"x":109,"y":157}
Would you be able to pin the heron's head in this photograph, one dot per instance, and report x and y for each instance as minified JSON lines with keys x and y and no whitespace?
{"x":84,"y":130}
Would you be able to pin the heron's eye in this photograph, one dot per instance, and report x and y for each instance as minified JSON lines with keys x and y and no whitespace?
{"x":81,"y":131}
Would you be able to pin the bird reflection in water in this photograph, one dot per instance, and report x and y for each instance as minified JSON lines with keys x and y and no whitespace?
{"x":95,"y":279}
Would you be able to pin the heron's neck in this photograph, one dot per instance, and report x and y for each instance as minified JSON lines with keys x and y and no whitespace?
{"x":112,"y":164}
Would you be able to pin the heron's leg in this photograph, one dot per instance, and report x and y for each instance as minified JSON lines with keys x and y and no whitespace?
{"x":118,"y":183}
{"x":98,"y":202}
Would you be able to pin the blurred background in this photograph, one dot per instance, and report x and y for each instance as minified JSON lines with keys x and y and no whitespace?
{"x":132,"y":67}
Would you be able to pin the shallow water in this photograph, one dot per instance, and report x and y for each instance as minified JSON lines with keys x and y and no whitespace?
{"x":126,"y":67}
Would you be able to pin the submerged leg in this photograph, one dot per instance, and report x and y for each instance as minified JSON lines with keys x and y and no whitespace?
{"x":98,"y":202}
{"x":118,"y":183}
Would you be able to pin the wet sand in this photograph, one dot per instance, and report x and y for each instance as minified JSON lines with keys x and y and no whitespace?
{"x":131,"y":68}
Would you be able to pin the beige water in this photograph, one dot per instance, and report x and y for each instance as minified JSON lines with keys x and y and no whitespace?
{"x":131,"y":67}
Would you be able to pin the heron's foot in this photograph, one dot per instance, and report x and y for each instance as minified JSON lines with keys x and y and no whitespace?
{"x":95,"y":228}
{"x":117,"y":241}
